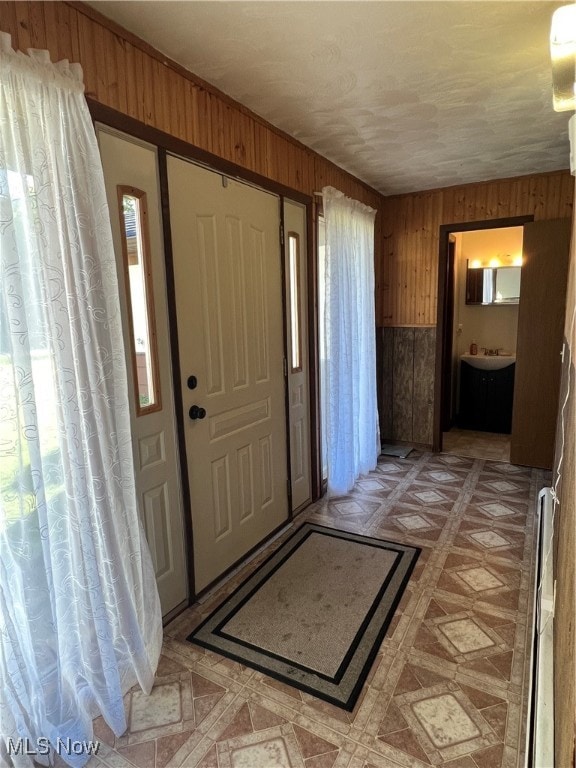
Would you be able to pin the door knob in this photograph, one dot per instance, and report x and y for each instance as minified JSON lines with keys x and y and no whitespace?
{"x":196,"y":412}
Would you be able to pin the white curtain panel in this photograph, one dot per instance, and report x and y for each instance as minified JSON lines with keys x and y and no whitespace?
{"x":349,"y":388}
{"x":80,"y":616}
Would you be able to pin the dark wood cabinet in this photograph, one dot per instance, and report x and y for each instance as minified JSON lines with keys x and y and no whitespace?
{"x":486,"y":398}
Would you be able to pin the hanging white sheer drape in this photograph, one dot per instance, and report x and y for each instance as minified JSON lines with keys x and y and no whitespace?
{"x":349,"y":404}
{"x":80,"y":616}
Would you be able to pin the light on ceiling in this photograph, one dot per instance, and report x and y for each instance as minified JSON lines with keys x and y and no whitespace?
{"x":563,"y":54}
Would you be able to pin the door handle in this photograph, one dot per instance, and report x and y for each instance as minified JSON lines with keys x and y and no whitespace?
{"x":196,"y":412}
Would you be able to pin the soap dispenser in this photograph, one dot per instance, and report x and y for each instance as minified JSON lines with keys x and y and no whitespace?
{"x":473,"y":348}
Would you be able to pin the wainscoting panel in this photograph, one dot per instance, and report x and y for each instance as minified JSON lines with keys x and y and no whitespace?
{"x":423,"y":401}
{"x":406,"y":358}
{"x":403,"y":383}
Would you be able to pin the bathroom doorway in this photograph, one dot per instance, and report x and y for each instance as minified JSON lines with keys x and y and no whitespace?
{"x":481,"y":268}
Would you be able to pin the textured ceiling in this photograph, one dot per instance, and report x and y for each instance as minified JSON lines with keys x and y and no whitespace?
{"x":405,"y":95}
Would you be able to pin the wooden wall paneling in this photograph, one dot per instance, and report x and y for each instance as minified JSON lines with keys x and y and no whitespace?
{"x":99,"y":37}
{"x":552,"y":199}
{"x":30,"y":32}
{"x":503,"y":199}
{"x":215,"y":109}
{"x":54,"y":40}
{"x":412,"y":244}
{"x":423,"y":304}
{"x":433,"y":245}
{"x":524,"y":199}
{"x":423,"y":389}
{"x":204,"y":120}
{"x":447,"y":203}
{"x":414,"y":263}
{"x":177,"y":104}
{"x":198,"y":122}
{"x":566,"y":197}
{"x":247,"y":142}
{"x":9,"y":22}
{"x":261,"y":149}
{"x":402,"y":245}
{"x":87,"y":55}
{"x":166,"y":81}
{"x":132,"y":77}
{"x":115,"y":75}
{"x":515,"y":198}
{"x":37,"y":24}
{"x":533,"y":197}
{"x":383,"y":298}
{"x":233,"y":150}
{"x":68,"y":20}
{"x":480,"y":206}
{"x":403,"y":385}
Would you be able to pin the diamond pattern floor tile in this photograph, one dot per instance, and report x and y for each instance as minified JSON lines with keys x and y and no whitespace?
{"x":447,"y":685}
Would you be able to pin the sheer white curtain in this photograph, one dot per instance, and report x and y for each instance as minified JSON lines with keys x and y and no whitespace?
{"x":349,"y":405}
{"x":79,"y":611}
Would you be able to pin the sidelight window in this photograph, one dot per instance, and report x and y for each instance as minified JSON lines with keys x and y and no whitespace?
{"x":139,"y":298}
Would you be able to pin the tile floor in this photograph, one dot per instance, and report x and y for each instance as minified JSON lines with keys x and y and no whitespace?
{"x":476,"y":445}
{"x":449,"y":684}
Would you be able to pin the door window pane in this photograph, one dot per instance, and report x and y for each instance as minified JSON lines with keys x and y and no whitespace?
{"x":295,"y":319}
{"x":139,"y":297}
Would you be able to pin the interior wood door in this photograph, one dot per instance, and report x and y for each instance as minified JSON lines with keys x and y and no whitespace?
{"x":129,"y":163}
{"x":228,"y":280}
{"x":546,"y":248}
{"x":295,"y":269}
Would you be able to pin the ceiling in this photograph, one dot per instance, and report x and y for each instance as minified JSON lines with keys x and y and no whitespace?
{"x":406,"y":95}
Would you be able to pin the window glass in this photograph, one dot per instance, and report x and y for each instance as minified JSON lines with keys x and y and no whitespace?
{"x":134,"y":220}
{"x":295,"y":319}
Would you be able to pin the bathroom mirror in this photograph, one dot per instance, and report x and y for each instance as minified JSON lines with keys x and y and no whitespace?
{"x":492,"y":285}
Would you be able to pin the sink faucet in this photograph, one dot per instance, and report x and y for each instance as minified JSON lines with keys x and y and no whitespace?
{"x":491,"y":352}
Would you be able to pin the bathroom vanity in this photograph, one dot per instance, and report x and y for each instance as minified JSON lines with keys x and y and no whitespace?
{"x":486,"y":392}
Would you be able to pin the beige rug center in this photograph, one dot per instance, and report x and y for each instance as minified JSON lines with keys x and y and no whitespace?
{"x":310,"y":610}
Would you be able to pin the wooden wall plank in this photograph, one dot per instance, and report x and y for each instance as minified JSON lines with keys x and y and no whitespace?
{"x":9,"y":22}
{"x":24,"y":26}
{"x":87,"y":55}
{"x":411,"y":240}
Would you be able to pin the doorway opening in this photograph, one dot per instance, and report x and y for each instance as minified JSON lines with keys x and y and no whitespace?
{"x":479,"y":294}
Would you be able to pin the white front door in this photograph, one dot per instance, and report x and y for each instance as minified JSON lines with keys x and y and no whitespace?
{"x":295,"y":269}
{"x":131,"y":177}
{"x":228,"y":281}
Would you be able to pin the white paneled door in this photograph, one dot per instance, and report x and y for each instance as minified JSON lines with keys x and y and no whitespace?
{"x":229,"y":306}
{"x":131,"y":176}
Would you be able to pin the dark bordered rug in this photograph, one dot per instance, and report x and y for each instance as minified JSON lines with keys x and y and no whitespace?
{"x":314,"y":614}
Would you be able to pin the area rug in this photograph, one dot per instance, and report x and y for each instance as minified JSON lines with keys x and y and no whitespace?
{"x":314,"y":614}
